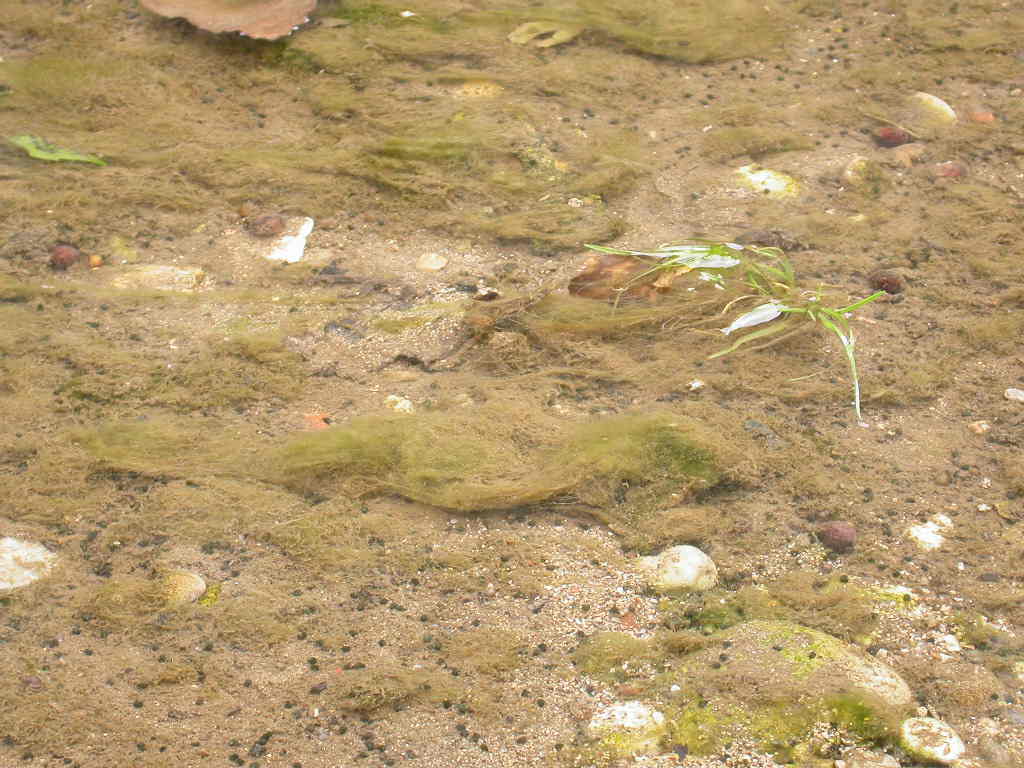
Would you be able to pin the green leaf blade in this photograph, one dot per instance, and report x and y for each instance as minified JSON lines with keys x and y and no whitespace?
{"x":40,"y":149}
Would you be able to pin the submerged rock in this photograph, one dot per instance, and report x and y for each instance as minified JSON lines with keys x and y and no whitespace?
{"x":925,"y":738}
{"x":22,"y":562}
{"x":838,"y":536}
{"x":431,"y":262}
{"x":682,"y":568}
{"x":768,"y":182}
{"x":181,"y":587}
{"x":159,"y":277}
{"x":794,"y":676}
{"x":865,"y":758}
{"x":628,"y":728}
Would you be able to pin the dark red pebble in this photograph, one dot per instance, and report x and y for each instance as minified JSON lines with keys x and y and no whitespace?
{"x":891,"y":136}
{"x":63,"y":256}
{"x":838,"y":536}
{"x":889,"y":282}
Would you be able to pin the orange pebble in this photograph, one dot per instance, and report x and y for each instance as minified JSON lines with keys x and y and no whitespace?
{"x":982,"y":116}
{"x":317,"y":420}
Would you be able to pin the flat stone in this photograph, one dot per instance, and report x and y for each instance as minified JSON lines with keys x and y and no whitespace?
{"x":866,"y":758}
{"x":773,"y":656}
{"x":22,"y":562}
{"x":929,"y":535}
{"x":628,"y":728}
{"x":431,"y":262}
{"x":925,"y":738}
{"x":159,"y":277}
{"x":290,"y":248}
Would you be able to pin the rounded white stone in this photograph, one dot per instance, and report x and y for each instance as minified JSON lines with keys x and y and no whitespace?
{"x":681,"y":568}
{"x":22,"y":562}
{"x":926,"y":738}
{"x":1014,"y":394}
{"x":399,"y":404}
{"x":432,"y":262}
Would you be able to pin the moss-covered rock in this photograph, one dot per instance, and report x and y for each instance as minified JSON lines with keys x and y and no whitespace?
{"x":775,"y":680}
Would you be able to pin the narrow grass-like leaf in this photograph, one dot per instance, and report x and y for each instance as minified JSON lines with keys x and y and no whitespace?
{"x":43,"y":150}
{"x":760,"y":333}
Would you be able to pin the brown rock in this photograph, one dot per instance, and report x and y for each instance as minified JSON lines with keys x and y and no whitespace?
{"x":838,"y":536}
{"x":267,"y":225}
{"x":63,"y":256}
{"x":882,"y":280}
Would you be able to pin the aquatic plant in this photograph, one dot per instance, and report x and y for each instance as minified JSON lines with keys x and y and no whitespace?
{"x":765,"y":274}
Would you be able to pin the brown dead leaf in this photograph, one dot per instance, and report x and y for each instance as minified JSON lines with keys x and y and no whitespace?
{"x":264,"y":19}
{"x":607,"y":276}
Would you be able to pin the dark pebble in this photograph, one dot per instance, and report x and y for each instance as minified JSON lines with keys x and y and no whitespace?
{"x":837,"y":536}
{"x":889,"y":282}
{"x":267,"y":225}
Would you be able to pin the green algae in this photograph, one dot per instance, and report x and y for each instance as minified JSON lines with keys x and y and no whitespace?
{"x":495,"y":457}
{"x":831,"y":605}
{"x":754,"y":142}
{"x":607,"y":656}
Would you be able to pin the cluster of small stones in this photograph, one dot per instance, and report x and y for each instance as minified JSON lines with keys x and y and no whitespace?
{"x":636,"y":729}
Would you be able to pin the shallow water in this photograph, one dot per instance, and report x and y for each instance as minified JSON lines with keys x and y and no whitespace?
{"x":437,"y":581}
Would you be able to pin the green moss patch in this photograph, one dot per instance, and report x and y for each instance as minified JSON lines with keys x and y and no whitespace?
{"x":497,"y":456}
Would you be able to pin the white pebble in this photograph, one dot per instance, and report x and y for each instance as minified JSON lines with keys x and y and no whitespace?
{"x":681,"y":568}
{"x":399,"y":404}
{"x":929,"y":535}
{"x":431,"y":262}
{"x":1014,"y":394}
{"x":290,"y":248}
{"x":22,"y":562}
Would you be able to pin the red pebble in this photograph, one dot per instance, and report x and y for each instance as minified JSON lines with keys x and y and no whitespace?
{"x":837,"y":536}
{"x":63,"y":256}
{"x":951,"y":169}
{"x":891,"y":136}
